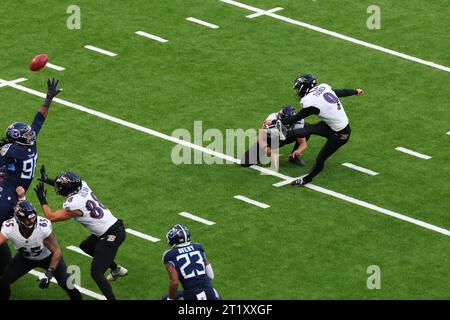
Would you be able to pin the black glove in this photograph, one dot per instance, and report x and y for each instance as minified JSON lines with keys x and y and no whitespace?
{"x":45,"y":281}
{"x":44,"y":178}
{"x":52,"y":91}
{"x":41,"y":193}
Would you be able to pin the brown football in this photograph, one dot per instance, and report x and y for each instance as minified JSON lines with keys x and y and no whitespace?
{"x":38,"y":62}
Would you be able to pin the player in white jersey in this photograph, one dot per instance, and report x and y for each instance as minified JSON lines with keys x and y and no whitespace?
{"x":268,"y":142}
{"x":36,"y":246}
{"x":108,"y":232}
{"x":324,"y":102}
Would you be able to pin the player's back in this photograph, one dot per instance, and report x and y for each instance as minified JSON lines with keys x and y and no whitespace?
{"x":20,"y":165}
{"x":189,"y":261}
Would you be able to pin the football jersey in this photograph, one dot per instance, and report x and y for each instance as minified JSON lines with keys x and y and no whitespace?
{"x":32,"y":248}
{"x":95,"y":216}
{"x":189,"y":261}
{"x":19,"y":162}
{"x":298,"y":125}
{"x":331,"y":109}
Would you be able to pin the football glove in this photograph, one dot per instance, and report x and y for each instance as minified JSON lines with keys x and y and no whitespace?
{"x":44,"y":178}
{"x":41,"y":193}
{"x":45,"y":281}
{"x":52,"y":91}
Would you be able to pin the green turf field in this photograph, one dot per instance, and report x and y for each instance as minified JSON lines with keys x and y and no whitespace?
{"x":307,"y":245}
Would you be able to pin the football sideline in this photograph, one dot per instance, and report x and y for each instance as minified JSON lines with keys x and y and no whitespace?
{"x":265,"y":171}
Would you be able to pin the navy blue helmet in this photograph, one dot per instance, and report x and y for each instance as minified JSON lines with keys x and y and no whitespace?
{"x":25,"y":214}
{"x":287,"y":111}
{"x":178,"y":234}
{"x":304,"y":83}
{"x":20,"y":133}
{"x":67,"y":183}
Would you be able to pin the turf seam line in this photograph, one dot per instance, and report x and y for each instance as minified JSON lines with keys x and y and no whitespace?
{"x":196,"y":218}
{"x":360,"y":169}
{"x":413,"y":153}
{"x":251,"y":201}
{"x":338,"y":35}
{"x":85,"y":291}
{"x":228,"y":158}
{"x":203,"y":23}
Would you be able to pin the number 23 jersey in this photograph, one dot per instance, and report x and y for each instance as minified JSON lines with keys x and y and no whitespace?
{"x":33,"y":247}
{"x":95,"y":216}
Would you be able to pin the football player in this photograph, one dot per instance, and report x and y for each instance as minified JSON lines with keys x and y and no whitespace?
{"x":323,"y":101}
{"x":265,"y":142}
{"x":36,"y":246}
{"x":18,"y":156}
{"x":81,"y":204}
{"x":186,"y":262}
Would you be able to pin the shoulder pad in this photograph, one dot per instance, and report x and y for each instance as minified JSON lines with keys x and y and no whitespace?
{"x":5,"y":149}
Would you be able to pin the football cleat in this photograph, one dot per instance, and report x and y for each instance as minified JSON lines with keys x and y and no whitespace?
{"x":281,"y":130}
{"x":117,"y":273}
{"x":298,"y":161}
{"x":299,"y":182}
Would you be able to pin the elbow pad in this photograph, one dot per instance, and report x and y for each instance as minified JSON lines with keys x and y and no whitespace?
{"x":209,"y":271}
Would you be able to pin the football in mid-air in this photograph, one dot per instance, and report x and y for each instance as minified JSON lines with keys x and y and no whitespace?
{"x":38,"y":62}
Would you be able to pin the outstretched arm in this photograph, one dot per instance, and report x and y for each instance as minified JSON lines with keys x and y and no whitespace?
{"x":52,"y":91}
{"x":348,"y":92}
{"x":53,"y":216}
{"x":305,"y":112}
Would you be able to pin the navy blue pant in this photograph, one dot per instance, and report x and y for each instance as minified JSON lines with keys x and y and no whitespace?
{"x":8,"y":199}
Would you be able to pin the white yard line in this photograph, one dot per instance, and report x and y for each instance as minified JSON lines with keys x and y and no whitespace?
{"x":258,"y":14}
{"x":358,"y":168}
{"x":87,"y":292}
{"x":378,"y":209}
{"x":284,"y":182}
{"x":223,"y":156}
{"x":203,"y":23}
{"x":7,"y":83}
{"x":193,"y":217}
{"x":142,"y":235}
{"x":253,"y":202}
{"x":337,"y":35}
{"x":78,"y":250}
{"x":102,"y":51}
{"x":54,"y":67}
{"x":151,"y":36}
{"x":413,"y":153}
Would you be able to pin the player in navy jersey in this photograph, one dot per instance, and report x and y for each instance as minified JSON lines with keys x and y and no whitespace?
{"x":186,"y":263}
{"x":18,"y":156}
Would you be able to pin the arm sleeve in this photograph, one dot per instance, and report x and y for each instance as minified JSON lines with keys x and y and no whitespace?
{"x":305,"y":112}
{"x":37,"y":123}
{"x":345,"y":92}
